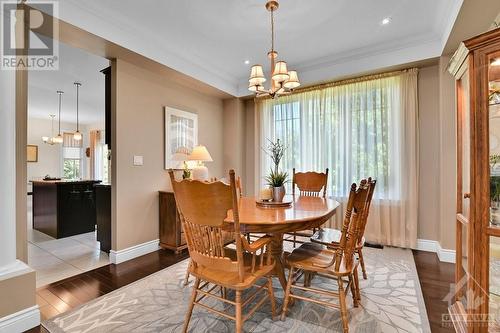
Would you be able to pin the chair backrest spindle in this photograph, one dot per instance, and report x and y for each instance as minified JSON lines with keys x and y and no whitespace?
{"x":352,"y":223}
{"x":203,"y":206}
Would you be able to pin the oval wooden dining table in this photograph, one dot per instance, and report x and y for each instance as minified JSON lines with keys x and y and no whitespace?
{"x":304,"y":213}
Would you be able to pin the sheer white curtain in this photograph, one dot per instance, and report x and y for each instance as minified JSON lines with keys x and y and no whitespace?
{"x":357,"y":130}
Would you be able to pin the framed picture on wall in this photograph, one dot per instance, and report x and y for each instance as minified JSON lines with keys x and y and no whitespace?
{"x":32,"y":153}
{"x":181,"y":135}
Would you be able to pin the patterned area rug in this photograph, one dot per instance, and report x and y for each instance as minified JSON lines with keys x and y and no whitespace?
{"x":391,"y":302}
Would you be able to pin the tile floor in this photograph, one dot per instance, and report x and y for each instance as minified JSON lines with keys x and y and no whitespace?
{"x":57,"y":259}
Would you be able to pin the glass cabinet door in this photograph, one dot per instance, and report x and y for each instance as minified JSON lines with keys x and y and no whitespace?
{"x":494,"y":190}
{"x":463,"y":187}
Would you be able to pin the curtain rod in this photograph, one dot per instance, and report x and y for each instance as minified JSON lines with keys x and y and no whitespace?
{"x":346,"y":81}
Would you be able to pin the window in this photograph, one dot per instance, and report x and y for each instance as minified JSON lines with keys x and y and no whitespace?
{"x":349,"y":129}
{"x":359,"y":129}
{"x":72,"y":157}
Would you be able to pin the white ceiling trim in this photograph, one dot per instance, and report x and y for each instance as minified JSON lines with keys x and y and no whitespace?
{"x":447,"y":24}
{"x":115,"y":29}
{"x":129,"y":37}
{"x":361,"y":63}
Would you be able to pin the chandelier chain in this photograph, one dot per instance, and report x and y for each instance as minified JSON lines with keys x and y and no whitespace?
{"x":60,"y":95}
{"x":272,"y":30}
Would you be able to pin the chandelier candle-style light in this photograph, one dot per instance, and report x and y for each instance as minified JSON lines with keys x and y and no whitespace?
{"x":283,"y":81}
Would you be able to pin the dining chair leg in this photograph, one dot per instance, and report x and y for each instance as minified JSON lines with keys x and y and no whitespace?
{"x":239,"y":324}
{"x":306,"y":279}
{"x":186,"y":278}
{"x":287,"y":293}
{"x":191,"y":305}
{"x":271,"y":297}
{"x":356,"y":284}
{"x":343,"y":306}
{"x":362,"y":263}
{"x":353,"y":291}
{"x":294,"y":240}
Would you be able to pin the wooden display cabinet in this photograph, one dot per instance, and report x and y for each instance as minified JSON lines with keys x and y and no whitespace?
{"x":475,"y":302}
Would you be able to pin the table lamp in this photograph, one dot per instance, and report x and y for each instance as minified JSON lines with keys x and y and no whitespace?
{"x":200,"y":154}
{"x":182,"y":155}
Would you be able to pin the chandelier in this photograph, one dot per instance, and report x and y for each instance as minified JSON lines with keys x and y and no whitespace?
{"x":283,"y":81}
{"x":50,"y":140}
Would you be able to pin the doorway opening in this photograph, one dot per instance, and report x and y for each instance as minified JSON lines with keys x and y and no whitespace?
{"x":69,"y":222}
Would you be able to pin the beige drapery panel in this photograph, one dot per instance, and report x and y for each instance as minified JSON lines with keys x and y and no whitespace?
{"x":95,"y":139}
{"x":361,"y":128}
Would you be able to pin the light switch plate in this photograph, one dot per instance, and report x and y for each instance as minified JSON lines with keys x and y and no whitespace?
{"x":138,"y":160}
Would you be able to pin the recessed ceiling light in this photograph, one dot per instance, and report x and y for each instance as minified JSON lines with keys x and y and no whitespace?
{"x":495,"y":62}
{"x":247,"y":62}
{"x":386,"y":21}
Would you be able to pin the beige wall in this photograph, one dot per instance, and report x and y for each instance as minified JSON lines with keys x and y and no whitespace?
{"x":428,"y":102}
{"x":18,"y":292}
{"x":139,"y":130}
{"x":448,"y":155}
{"x":437,"y":182}
{"x":250,"y":147}
{"x":234,"y":136}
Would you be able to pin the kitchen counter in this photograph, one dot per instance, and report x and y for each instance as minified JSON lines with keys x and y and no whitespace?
{"x":63,"y":208}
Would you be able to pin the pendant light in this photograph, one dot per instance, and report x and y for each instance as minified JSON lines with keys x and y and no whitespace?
{"x":46,"y":139}
{"x":59,"y":137}
{"x":77,"y":136}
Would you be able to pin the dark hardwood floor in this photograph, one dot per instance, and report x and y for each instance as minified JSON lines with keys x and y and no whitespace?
{"x":435,"y":278}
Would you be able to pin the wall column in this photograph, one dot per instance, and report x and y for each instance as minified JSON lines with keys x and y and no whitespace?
{"x":18,"y":309}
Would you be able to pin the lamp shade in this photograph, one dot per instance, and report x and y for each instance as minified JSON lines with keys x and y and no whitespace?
{"x":280,"y":73}
{"x":200,"y":153}
{"x":256,"y":87}
{"x":58,"y":139}
{"x":77,"y":136}
{"x":181,"y":154}
{"x":495,"y":62}
{"x":293,"y":80}
{"x":257,"y":75}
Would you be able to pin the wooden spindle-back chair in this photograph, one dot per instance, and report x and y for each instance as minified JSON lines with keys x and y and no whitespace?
{"x":339,"y":264}
{"x":309,"y":184}
{"x":331,"y":237}
{"x":203,"y":206}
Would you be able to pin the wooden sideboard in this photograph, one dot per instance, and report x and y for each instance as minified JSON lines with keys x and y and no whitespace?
{"x":171,"y":233}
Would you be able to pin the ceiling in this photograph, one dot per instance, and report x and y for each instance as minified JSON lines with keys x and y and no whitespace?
{"x":322,"y":39}
{"x":74,"y":65}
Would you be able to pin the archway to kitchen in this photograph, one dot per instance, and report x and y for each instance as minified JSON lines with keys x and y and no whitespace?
{"x":68,"y":171}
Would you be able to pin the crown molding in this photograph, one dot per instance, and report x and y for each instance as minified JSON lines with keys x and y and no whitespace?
{"x":352,"y":64}
{"x":445,"y":26}
{"x":112,"y":29}
{"x":119,"y":30}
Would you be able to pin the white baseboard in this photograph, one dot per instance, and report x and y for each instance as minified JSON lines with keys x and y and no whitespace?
{"x":132,"y":252}
{"x":20,"y":321}
{"x":444,"y":255}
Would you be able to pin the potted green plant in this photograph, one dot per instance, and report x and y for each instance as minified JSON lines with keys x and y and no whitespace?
{"x":276,"y":178}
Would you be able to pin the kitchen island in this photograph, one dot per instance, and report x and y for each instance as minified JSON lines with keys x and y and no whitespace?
{"x":63,"y":208}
